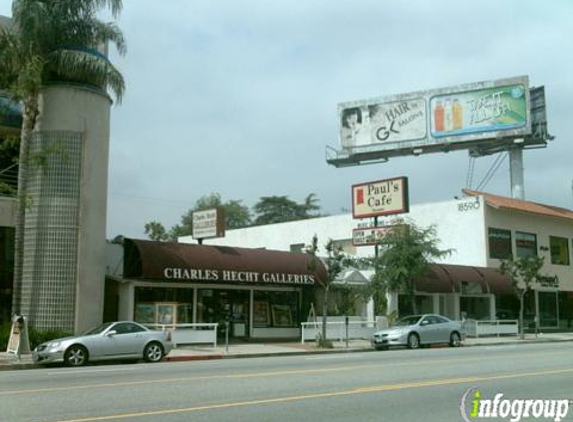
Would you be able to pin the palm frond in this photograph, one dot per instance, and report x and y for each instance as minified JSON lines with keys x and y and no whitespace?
{"x":83,"y":66}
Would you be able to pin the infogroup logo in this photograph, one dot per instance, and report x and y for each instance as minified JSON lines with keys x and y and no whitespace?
{"x":474,"y":406}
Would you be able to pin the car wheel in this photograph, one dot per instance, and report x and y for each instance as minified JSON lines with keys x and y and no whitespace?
{"x":413,"y":341}
{"x":455,"y":340}
{"x":153,"y":352}
{"x":76,"y":355}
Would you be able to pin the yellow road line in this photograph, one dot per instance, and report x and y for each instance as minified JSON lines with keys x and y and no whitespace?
{"x":365,"y":390}
{"x":448,"y":361}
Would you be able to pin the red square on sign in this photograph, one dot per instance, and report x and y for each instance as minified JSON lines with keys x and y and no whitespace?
{"x":360,"y":196}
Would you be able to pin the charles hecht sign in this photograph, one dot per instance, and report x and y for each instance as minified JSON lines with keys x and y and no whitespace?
{"x":208,"y":223}
{"x":383,"y":197}
{"x":214,"y":275}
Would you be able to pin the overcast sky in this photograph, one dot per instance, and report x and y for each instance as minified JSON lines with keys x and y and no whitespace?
{"x":240,"y":97}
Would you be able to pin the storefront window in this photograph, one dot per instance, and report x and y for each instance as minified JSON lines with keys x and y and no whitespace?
{"x":499,"y":243}
{"x":548,"y":309}
{"x":525,"y":244}
{"x":275,"y":309}
{"x":559,"y":247}
{"x":163,"y":306}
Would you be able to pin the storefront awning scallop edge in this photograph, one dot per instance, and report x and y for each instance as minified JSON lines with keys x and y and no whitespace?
{"x":168,"y":261}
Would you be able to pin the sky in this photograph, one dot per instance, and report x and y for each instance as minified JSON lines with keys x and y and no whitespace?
{"x":240,"y":97}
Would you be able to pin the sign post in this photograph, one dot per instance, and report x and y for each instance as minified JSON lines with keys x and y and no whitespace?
{"x":208,"y":224}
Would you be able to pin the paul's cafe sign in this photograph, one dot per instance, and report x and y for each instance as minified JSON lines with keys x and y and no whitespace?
{"x":382,"y":197}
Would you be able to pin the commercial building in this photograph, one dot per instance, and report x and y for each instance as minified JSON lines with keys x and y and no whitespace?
{"x":481,"y":229}
{"x":62,"y":287}
{"x":261,"y":293}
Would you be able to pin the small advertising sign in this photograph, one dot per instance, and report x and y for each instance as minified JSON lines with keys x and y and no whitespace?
{"x":369,"y":236}
{"x":383,"y":197}
{"x":208,"y":223}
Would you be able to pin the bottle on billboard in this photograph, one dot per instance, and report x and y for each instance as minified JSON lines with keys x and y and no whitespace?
{"x":458,"y":116}
{"x":448,"y":116}
{"x":439,"y":117}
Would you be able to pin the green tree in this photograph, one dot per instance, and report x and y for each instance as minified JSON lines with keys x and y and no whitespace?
{"x":53,"y":41}
{"x":237,"y":215}
{"x":407,"y":251}
{"x":280,"y":209}
{"x":522,"y":272}
{"x":335,"y":264}
{"x":155,"y":231}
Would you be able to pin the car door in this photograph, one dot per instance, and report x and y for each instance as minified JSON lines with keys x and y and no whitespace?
{"x":427,"y":330}
{"x":445,"y":326}
{"x":128,"y":340}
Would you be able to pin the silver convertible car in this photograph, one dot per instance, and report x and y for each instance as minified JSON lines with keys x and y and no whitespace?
{"x":113,"y":340}
{"x":414,"y":331}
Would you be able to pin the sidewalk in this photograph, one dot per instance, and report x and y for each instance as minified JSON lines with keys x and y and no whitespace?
{"x":245,"y":350}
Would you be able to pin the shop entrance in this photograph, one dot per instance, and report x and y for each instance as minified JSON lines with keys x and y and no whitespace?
{"x":222,"y":306}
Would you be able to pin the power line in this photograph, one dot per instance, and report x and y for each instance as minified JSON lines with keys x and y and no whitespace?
{"x":492,"y":170}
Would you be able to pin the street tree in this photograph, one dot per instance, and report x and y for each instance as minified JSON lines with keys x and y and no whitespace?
{"x":335,"y":264}
{"x":406,"y":253}
{"x":155,"y":231}
{"x":522,"y":272}
{"x":237,"y":215}
{"x":280,"y":209}
{"x":53,"y":41}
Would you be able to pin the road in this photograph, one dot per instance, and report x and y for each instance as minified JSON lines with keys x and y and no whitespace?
{"x":406,"y":385}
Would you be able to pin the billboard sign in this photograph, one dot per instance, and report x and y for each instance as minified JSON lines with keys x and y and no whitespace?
{"x":369,"y":236}
{"x":383,"y":197}
{"x":208,"y":223}
{"x":460,"y":114}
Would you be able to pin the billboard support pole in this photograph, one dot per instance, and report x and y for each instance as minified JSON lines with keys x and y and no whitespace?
{"x":376,"y":245}
{"x":516,"y":172}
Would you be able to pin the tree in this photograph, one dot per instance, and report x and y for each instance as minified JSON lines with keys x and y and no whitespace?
{"x":407,"y":251}
{"x":280,"y":209}
{"x":522,"y":272}
{"x":335,"y":263}
{"x":53,"y":41}
{"x":155,"y":231}
{"x":237,"y":215}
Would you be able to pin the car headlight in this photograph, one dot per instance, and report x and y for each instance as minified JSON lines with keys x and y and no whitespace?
{"x":53,"y":344}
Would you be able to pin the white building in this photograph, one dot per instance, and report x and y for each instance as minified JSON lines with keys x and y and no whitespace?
{"x":480,"y":228}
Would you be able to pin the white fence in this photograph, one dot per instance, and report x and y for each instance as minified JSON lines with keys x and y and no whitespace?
{"x":190,"y":333}
{"x":497,"y":328}
{"x":336,"y":330}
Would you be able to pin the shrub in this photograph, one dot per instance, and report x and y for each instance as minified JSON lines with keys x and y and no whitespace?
{"x":4,"y":335}
{"x":39,"y":337}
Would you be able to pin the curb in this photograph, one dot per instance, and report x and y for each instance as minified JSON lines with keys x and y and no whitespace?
{"x":5,"y":365}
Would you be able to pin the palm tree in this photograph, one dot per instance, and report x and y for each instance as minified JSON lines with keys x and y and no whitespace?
{"x":53,"y":41}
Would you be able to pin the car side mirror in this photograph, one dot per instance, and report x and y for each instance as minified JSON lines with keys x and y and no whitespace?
{"x":111,"y":333}
{"x":424,"y":323}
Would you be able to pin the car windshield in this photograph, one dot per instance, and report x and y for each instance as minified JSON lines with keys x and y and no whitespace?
{"x":411,"y":320}
{"x":97,"y":330}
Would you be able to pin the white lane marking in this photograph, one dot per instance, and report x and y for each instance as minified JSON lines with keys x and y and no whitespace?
{"x":84,"y":371}
{"x":334,"y":357}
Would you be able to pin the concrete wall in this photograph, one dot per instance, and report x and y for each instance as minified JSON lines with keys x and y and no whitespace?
{"x":65,"y":107}
{"x":459,"y":226}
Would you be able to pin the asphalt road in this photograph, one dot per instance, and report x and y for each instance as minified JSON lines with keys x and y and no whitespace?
{"x":397,"y":385}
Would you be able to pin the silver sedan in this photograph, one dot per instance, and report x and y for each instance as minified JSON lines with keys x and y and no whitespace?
{"x":113,"y":340}
{"x":417,"y":330}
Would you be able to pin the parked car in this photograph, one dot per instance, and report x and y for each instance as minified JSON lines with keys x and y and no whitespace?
{"x":416,"y":330}
{"x":123,"y":340}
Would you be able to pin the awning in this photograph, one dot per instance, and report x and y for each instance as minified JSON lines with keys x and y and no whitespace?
{"x":167,"y":261}
{"x":447,"y":278}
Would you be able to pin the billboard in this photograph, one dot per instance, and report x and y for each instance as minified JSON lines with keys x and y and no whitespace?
{"x":383,"y":197}
{"x":208,"y":223}
{"x":457,"y":115}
